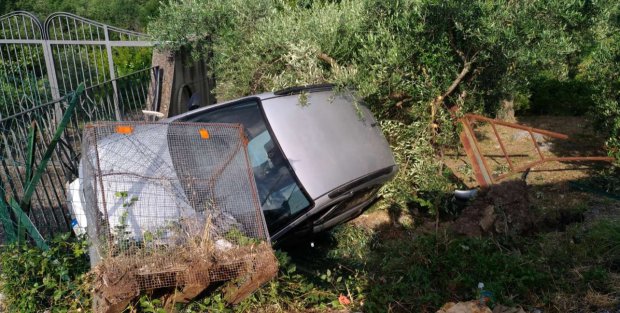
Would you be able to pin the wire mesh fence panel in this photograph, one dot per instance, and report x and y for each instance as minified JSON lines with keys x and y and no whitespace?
{"x":170,"y":204}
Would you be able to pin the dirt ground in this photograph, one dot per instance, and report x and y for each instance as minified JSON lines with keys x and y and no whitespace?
{"x":548,"y":186}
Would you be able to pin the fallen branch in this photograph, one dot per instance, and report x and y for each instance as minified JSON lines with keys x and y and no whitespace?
{"x":329,"y":60}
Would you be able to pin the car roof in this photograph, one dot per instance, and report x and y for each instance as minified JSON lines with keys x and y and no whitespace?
{"x":335,"y":139}
{"x":330,"y":141}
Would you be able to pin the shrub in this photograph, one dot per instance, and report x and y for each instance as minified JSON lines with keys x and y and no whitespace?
{"x":33,"y":280}
{"x":419,"y":179}
{"x":603,"y":67}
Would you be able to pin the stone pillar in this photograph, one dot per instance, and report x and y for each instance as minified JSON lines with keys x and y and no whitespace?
{"x":166,"y":62}
{"x":183,"y":78}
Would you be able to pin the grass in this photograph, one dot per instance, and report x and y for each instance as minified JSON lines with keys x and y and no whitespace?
{"x":403,"y":271}
{"x":397,"y":269}
{"x":389,"y":268}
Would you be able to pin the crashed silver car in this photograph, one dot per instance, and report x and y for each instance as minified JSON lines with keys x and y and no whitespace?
{"x":317,"y":157}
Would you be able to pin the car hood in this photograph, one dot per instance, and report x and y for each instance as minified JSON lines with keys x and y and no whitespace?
{"x":328,"y":139}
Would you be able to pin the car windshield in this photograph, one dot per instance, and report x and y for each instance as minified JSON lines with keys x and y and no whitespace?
{"x":280,"y":196}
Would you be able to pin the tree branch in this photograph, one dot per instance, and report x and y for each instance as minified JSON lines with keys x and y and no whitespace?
{"x":467,"y":65}
{"x":457,"y":81}
{"x":400,"y":98}
{"x":458,"y":51}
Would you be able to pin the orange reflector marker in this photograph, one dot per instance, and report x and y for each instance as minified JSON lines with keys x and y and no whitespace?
{"x":204,"y":134}
{"x":124,"y":129}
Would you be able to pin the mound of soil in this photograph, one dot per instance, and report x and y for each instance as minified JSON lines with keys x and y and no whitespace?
{"x":500,"y":209}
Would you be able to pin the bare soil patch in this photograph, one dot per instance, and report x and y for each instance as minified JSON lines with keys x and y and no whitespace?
{"x":500,"y":209}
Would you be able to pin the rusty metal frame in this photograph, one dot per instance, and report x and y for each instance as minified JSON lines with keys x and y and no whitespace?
{"x":484,"y":176}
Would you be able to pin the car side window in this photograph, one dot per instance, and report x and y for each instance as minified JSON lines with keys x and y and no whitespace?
{"x":280,"y":196}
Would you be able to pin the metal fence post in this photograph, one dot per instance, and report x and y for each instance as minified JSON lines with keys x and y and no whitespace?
{"x":48,"y":56}
{"x":51,"y":68}
{"x":108,"y":48}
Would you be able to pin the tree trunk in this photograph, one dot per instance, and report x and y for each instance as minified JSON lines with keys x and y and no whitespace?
{"x":507,"y":110}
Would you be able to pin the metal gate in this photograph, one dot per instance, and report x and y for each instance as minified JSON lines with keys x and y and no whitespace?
{"x":40,"y":64}
{"x":43,"y":61}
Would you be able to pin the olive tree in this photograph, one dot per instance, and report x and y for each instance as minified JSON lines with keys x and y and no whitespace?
{"x":407,"y":59}
{"x":603,"y":67}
